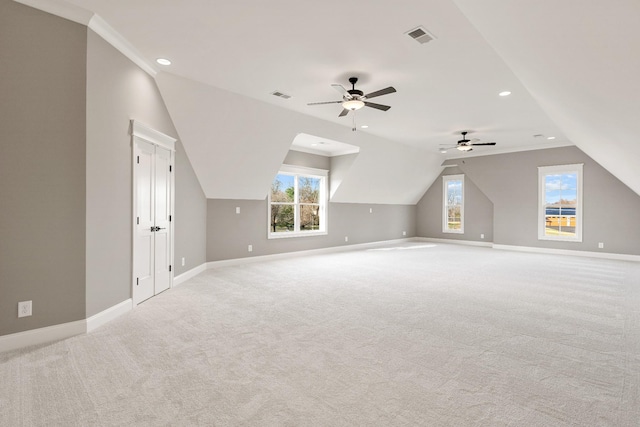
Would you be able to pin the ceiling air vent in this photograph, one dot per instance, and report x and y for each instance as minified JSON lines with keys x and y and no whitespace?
{"x":421,"y":35}
{"x":280,"y":94}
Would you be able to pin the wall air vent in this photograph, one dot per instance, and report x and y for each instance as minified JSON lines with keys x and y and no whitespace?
{"x":421,"y":35}
{"x":280,"y":94}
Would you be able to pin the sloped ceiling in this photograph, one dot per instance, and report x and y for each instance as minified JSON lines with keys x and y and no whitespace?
{"x":580,"y":60}
{"x":571,"y":66}
{"x":236,"y":145}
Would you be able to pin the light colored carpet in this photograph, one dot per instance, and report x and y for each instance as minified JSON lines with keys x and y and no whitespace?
{"x":418,"y":334}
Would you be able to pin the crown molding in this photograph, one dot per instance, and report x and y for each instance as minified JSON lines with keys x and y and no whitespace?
{"x":62,"y":9}
{"x":115,"y":39}
{"x":97,"y":24}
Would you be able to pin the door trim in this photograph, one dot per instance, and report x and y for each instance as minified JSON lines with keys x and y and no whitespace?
{"x":142,"y":132}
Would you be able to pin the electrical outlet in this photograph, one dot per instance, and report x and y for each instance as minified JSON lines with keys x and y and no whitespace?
{"x":183,"y":261}
{"x":24,"y":308}
{"x":250,"y":248}
{"x":346,"y":238}
{"x":404,"y":233}
{"x":601,"y":245}
{"x":237,"y":209}
{"x":482,"y":236}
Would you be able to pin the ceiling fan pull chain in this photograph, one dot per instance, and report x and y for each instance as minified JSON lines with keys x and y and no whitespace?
{"x":354,"y":122}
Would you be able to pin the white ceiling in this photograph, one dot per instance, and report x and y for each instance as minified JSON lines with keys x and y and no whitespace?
{"x":572,"y":66}
{"x":301,"y":48}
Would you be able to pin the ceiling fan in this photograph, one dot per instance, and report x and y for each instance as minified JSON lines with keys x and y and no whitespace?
{"x":465,"y":144}
{"x":354,"y":99}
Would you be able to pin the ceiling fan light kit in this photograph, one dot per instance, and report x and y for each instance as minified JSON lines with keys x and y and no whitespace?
{"x":352,"y":104}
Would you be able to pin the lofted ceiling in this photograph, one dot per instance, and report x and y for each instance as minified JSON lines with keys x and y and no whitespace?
{"x":572,"y":67}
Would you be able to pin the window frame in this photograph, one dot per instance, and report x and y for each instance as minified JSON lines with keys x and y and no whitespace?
{"x":297,"y":172}
{"x":445,"y":216}
{"x":543,"y":172}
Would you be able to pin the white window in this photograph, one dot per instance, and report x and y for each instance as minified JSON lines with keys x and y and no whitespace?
{"x":298,"y":202}
{"x":453,"y":204}
{"x":560,"y":203}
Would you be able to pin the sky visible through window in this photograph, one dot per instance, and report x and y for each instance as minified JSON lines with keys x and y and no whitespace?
{"x":561,"y":187}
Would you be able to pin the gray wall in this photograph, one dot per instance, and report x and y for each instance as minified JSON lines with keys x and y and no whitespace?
{"x":229,"y":234}
{"x":42,"y":168}
{"x":478,"y":212}
{"x":65,"y":169}
{"x":117,"y":91}
{"x":510,"y":181}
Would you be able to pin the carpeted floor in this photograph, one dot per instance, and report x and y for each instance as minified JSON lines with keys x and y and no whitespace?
{"x":417,"y":334}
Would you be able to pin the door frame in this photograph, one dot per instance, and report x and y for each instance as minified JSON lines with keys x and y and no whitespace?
{"x":140,"y":131}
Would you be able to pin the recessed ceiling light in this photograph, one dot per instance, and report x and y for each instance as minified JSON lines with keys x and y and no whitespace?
{"x":551,"y":137}
{"x":313,"y":144}
{"x":505,"y":93}
{"x":163,"y":61}
{"x":364,"y":126}
{"x":443,"y":150}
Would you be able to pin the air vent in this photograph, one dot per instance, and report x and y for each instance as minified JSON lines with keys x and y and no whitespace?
{"x":421,"y":35}
{"x":280,"y":94}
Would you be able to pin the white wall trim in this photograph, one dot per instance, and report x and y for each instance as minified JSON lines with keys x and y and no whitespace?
{"x":42,"y":335}
{"x":97,"y":24}
{"x":570,"y":252}
{"x":106,"y":316}
{"x":288,"y":255}
{"x":62,"y":9}
{"x":180,"y":279}
{"x":151,"y":135}
{"x":115,"y":39}
{"x":455,"y":241}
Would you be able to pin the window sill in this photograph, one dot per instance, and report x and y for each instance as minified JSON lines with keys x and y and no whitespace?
{"x":289,"y":234}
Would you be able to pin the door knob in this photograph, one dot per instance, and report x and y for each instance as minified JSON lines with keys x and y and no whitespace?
{"x":156,"y":228}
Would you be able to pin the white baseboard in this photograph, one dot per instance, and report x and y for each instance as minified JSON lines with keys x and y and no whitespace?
{"x":42,"y":335}
{"x":455,"y":241}
{"x":108,"y":315}
{"x":180,"y":279}
{"x":63,"y":330}
{"x":288,"y":255}
{"x":588,"y":254}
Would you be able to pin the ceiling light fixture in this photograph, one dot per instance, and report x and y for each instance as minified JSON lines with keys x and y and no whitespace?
{"x":551,"y":137}
{"x":364,"y":126}
{"x":352,"y":104}
{"x":464,"y":148}
{"x":163,"y":61}
{"x":505,"y":93}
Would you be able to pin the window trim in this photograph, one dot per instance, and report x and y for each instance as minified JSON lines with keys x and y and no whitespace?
{"x":543,"y":171}
{"x":445,"y":222}
{"x":324,"y":201}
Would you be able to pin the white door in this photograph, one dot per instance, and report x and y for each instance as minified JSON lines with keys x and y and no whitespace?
{"x":153,"y":231}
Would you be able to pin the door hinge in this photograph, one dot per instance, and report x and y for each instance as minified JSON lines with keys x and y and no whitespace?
{"x":138,"y":159}
{"x":170,"y":168}
{"x":169,"y":268}
{"x":138,"y":220}
{"x":137,"y":281}
{"x":169,"y":218}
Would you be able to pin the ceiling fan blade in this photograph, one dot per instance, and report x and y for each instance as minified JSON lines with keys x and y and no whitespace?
{"x":380,"y":92}
{"x":484,"y":143}
{"x":342,"y":91}
{"x":343,"y":113}
{"x":377,"y":106}
{"x":322,"y":103}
